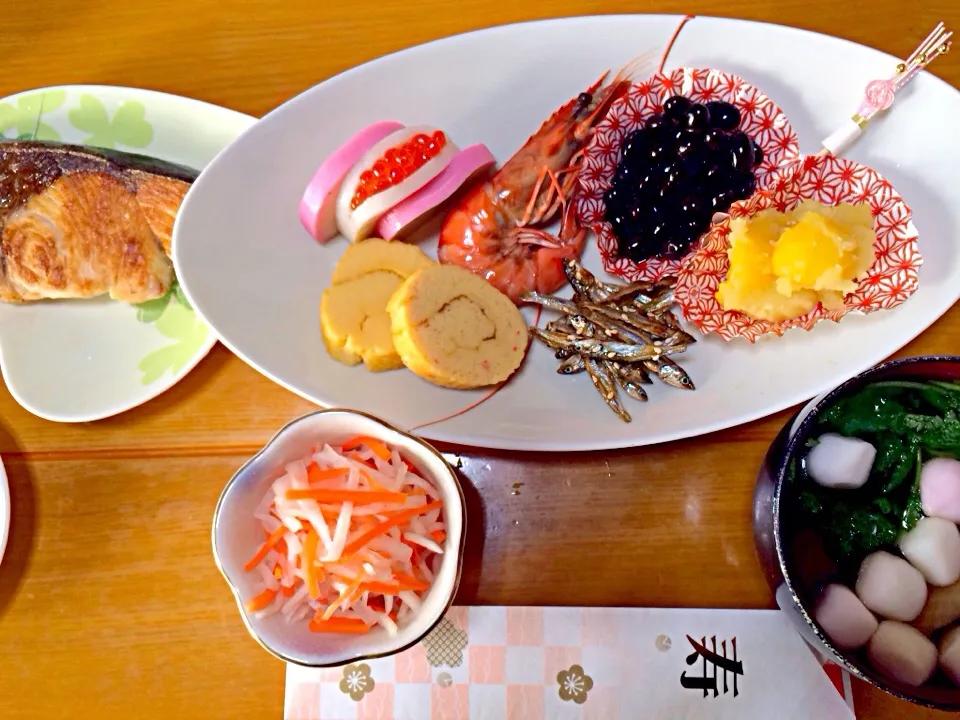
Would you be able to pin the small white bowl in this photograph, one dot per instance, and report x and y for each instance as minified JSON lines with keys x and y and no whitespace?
{"x":237,"y":535}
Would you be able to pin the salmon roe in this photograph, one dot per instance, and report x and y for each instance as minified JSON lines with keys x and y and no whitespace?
{"x":397,"y":164}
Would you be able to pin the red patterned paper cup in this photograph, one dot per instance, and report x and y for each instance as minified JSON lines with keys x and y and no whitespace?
{"x":829,"y":180}
{"x":761,"y":119}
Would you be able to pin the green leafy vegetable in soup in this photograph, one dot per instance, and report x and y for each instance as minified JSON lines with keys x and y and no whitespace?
{"x":908,"y":422}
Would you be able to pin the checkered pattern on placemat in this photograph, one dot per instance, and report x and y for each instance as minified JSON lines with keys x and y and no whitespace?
{"x":568,"y":663}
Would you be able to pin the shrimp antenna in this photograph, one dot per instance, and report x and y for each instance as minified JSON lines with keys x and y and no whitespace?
{"x":639,"y":68}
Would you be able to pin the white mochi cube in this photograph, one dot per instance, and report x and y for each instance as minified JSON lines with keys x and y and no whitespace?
{"x":933,"y":548}
{"x":902,"y":653}
{"x":940,"y":489}
{"x":844,"y":618}
{"x":950,"y":654}
{"x":840,"y":462}
{"x":891,"y":587}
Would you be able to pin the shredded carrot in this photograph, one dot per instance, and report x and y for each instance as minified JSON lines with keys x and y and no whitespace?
{"x":358,"y":497}
{"x":267,"y":546}
{"x":360,"y":459}
{"x":315,"y":474}
{"x":309,"y":557}
{"x":260,"y":600}
{"x":382,"y":527}
{"x":327,"y":565}
{"x":376,"y":447}
{"x":339,"y":625}
{"x":411,"y":583}
{"x":345,"y":595}
{"x":374,"y":485}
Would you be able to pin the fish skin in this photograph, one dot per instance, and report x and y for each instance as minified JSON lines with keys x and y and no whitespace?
{"x":78,"y":222}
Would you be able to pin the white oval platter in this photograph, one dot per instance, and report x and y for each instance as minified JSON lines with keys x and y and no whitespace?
{"x":256,"y":276}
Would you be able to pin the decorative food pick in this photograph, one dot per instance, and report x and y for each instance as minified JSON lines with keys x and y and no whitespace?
{"x":620,"y":335}
{"x":880,"y":93}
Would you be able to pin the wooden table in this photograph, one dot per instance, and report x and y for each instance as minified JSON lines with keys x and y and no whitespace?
{"x":110,"y":605}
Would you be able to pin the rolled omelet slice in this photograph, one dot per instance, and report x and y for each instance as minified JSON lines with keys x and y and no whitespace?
{"x":353,"y":310}
{"x":455,"y":329}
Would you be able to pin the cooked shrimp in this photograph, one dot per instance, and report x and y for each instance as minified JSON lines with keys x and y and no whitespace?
{"x":496,"y":230}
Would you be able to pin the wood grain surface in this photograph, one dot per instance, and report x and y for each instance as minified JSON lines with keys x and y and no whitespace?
{"x":110,"y":604}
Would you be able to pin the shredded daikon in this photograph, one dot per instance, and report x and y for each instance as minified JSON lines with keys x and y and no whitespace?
{"x":353,"y":539}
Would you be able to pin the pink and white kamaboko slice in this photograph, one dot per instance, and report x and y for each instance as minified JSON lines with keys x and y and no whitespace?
{"x":319,"y":202}
{"x":388,"y":173}
{"x":469,"y":162}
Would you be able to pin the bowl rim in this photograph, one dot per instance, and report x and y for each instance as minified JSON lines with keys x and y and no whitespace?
{"x":460,"y":548}
{"x":789,"y":452}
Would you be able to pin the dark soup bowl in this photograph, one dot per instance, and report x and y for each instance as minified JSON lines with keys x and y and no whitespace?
{"x":810,"y":537}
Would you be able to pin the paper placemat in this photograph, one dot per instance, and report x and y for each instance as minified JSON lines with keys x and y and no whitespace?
{"x":560,"y":663}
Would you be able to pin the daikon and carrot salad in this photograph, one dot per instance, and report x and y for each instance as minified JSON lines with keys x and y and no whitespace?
{"x":353,"y":537}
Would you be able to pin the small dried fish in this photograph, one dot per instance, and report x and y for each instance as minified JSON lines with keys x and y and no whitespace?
{"x":658,"y":302}
{"x":581,"y":280}
{"x":561,"y":324}
{"x":670,"y":373}
{"x":604,"y":350}
{"x":568,"y":307}
{"x":620,"y":335}
{"x":607,"y":387}
{"x":572,"y":365}
{"x":635,"y":373}
{"x":629,"y":292}
{"x":631,"y":388}
{"x":638,"y":321}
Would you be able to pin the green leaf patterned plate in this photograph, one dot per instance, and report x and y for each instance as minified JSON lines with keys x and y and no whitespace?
{"x":83,"y":360}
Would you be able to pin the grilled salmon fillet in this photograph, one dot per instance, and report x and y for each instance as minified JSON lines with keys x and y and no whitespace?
{"x":78,"y":223}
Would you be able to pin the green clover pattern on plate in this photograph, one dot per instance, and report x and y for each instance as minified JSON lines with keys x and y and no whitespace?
{"x":171,"y":315}
{"x":25,"y":119}
{"x":175,"y":319}
{"x":127,"y":127}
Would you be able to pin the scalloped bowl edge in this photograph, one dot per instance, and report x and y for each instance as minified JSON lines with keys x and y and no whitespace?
{"x":235,"y":536}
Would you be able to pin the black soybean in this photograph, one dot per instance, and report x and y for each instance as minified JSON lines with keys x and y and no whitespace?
{"x":741,"y":152}
{"x":656,"y":122}
{"x":684,"y":165}
{"x":712,"y":139}
{"x":721,"y":200}
{"x":697,"y":118}
{"x":676,"y":107}
{"x":723,"y":116}
{"x":744,"y":187}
